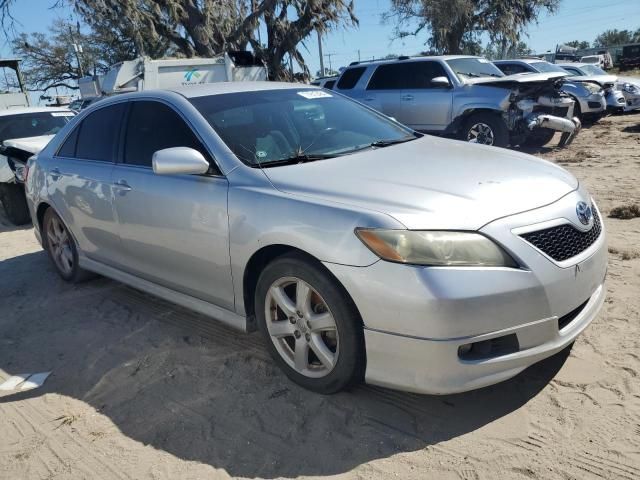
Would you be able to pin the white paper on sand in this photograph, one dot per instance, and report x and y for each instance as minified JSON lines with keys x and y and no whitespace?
{"x":12,"y":382}
{"x":36,"y":380}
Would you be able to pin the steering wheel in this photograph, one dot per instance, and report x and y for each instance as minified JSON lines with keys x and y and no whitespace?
{"x":324,"y":133}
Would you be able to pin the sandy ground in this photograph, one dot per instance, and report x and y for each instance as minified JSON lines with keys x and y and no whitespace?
{"x":142,"y":389}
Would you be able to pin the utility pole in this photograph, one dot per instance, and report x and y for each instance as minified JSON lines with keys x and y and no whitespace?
{"x":329,"y":55}
{"x":77,"y":48}
{"x":320,"y":53}
{"x":358,"y":55}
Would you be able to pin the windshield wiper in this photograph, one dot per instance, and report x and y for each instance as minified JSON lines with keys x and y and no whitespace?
{"x":295,"y":159}
{"x":386,"y":143}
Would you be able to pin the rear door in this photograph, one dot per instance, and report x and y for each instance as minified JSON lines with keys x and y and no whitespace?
{"x":425,"y":106}
{"x":79,"y":181}
{"x":384,"y":89}
{"x":173,"y":228}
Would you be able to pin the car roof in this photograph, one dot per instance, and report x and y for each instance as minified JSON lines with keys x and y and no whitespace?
{"x":22,"y":110}
{"x":522,"y":60}
{"x":219,"y":88}
{"x":404,"y":59}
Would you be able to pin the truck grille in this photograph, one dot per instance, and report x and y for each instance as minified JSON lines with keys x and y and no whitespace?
{"x":564,"y":241}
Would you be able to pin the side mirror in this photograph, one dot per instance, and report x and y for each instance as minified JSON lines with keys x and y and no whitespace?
{"x":176,"y":160}
{"x":442,"y":82}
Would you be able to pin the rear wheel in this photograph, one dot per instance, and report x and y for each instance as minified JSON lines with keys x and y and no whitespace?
{"x":310,"y":325}
{"x":15,"y":203}
{"x":486,"y":129}
{"x":539,"y":137}
{"x":62,"y":248}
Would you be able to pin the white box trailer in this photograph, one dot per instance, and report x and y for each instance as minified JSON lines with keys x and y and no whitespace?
{"x":146,"y":74}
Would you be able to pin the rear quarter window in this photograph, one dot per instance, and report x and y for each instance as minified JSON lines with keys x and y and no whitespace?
{"x":350,"y":77}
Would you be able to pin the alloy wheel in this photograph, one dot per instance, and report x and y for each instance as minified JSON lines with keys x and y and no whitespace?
{"x":302,"y":327}
{"x":60,"y":245}
{"x":481,"y":133}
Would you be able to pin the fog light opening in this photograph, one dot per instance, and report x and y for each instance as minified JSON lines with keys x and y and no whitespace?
{"x":491,"y":348}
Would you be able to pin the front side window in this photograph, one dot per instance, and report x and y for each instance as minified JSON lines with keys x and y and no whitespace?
{"x":24,"y":125}
{"x":153,"y":126}
{"x":98,"y":135}
{"x":273,"y":127}
{"x":473,"y":68}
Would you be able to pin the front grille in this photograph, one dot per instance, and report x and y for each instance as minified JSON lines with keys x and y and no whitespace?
{"x":564,"y":241}
{"x":593,"y":104}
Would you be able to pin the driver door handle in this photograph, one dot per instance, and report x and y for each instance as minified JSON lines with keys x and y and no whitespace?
{"x":122,"y":185}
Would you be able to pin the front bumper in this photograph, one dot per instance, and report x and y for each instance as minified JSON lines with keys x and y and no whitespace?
{"x":416,"y":318}
{"x":593,"y":104}
{"x":632,"y":101}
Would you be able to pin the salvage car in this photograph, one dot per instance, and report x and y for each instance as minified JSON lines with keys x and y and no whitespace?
{"x":464,"y":97}
{"x":591,"y":98}
{"x":358,"y":247}
{"x":23,"y":132}
{"x":627,"y":96}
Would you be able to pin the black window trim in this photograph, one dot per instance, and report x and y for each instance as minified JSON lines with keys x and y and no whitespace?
{"x":123,"y":137}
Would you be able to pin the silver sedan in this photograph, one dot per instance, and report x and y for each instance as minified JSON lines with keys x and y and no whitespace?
{"x":359,"y":248}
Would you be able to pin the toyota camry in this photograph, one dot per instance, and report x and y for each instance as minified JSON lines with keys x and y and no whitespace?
{"x":360,"y":249}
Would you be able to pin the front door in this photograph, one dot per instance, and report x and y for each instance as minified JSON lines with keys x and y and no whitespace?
{"x":173,"y":228}
{"x":425,"y":106}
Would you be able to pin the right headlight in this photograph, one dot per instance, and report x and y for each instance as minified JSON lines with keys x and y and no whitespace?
{"x":435,"y":248}
{"x":630,"y":88}
{"x":592,"y":87}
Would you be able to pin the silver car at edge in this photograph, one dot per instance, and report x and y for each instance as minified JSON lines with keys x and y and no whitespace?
{"x":359,"y":248}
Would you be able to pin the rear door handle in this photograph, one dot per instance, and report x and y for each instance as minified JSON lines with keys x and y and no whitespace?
{"x":369,"y":99}
{"x":55,"y":173}
{"x":408,"y":96}
{"x":122,"y":185}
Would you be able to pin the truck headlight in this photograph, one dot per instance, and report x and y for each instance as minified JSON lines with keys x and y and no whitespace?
{"x":435,"y":248}
{"x":630,"y":88}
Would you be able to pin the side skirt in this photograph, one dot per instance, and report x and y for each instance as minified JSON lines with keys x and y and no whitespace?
{"x":220,"y":314}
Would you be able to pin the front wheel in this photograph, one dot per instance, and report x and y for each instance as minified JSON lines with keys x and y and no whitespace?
{"x":486,"y":129}
{"x":310,"y":325}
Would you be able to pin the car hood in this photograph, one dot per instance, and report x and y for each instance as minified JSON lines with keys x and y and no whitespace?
{"x":633,"y":80}
{"x":29,"y":144}
{"x":431,"y":183}
{"x":601,"y":79}
{"x":518,"y":78}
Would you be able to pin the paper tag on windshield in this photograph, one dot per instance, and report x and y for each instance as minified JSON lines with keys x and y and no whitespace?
{"x":314,"y":94}
{"x":62,"y":114}
{"x":483,"y":60}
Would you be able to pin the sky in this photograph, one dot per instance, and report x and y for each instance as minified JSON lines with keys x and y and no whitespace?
{"x":574,"y":20}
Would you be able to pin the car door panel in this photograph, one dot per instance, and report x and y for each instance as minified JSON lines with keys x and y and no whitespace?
{"x":173,"y":228}
{"x":424,"y":106}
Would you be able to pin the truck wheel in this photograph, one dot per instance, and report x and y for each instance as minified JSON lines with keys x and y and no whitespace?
{"x":15,"y":203}
{"x":539,"y":137}
{"x":486,"y":129}
{"x":310,"y":325}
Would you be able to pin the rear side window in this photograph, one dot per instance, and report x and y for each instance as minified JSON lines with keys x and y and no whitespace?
{"x":387,"y":77}
{"x":329,"y":85}
{"x":350,"y":77}
{"x":153,"y":126}
{"x":98,"y":135}
{"x":68,"y":148}
{"x":511,"y":68}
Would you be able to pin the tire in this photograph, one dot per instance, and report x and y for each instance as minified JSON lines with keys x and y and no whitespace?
{"x":485,"y":129}
{"x":539,"y":137}
{"x":62,"y":248}
{"x":577,"y":111}
{"x":15,"y":203}
{"x":326,"y":321}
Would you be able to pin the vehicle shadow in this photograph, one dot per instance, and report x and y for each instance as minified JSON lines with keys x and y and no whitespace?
{"x":181,"y":383}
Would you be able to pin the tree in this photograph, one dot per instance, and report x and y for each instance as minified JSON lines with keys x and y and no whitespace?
{"x":579,"y":44}
{"x":616,"y":37}
{"x":452,"y":23}
{"x":49,"y":60}
{"x":209,"y":27}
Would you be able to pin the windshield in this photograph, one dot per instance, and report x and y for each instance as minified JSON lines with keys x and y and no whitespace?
{"x":273,"y":127}
{"x":474,"y":68}
{"x":546,"y":67}
{"x":32,"y":124}
{"x":592,"y":70}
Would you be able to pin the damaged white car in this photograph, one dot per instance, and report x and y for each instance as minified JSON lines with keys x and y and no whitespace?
{"x":23,"y":133}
